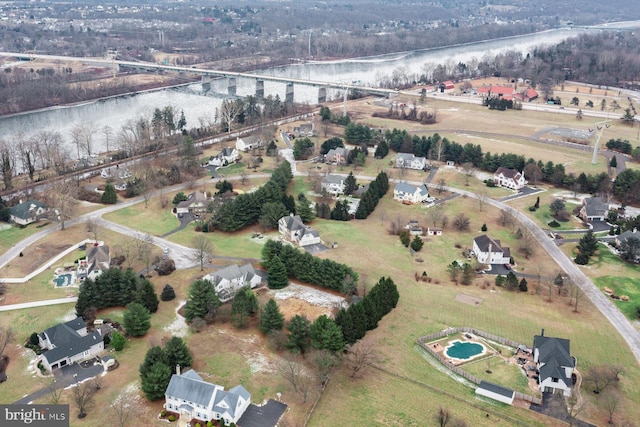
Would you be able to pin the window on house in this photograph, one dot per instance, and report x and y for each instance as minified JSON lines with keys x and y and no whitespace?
{"x":554,"y":380}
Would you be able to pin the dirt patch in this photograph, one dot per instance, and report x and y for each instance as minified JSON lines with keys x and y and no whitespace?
{"x":34,"y":257}
{"x":307,"y":300}
{"x":468,"y":299}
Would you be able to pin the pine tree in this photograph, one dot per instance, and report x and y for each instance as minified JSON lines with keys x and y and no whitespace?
{"x":303,"y":208}
{"x":87,"y":297}
{"x":588,"y":244}
{"x":359,"y":319}
{"x":271,"y":318}
{"x":405,"y":238}
{"x":523,"y":285}
{"x":417,"y":244}
{"x":202,"y":300}
{"x":511,"y":282}
{"x":372,"y":311}
{"x":350,"y":184}
{"x":244,"y":305}
{"x":109,"y":197}
{"x":299,"y":330}
{"x":154,"y":355}
{"x":614,"y":162}
{"x":136,"y":320}
{"x":277,"y":274}
{"x":118,"y":341}
{"x":177,"y":353}
{"x":146,"y":296}
{"x":155,"y":382}
{"x":326,"y":335}
{"x":340,"y":211}
{"x":167,"y":293}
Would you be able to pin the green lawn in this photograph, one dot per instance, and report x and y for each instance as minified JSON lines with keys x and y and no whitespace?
{"x":152,"y":220}
{"x":507,"y":374}
{"x":231,"y":170}
{"x":623,"y":286}
{"x":227,"y":244}
{"x":12,"y":235}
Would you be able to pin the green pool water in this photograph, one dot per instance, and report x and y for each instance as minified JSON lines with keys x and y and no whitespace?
{"x":463,"y":350}
{"x":62,"y":280}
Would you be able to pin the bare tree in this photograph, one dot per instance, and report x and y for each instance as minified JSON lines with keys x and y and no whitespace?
{"x":125,"y":409}
{"x":144,"y":249}
{"x":443,"y":416}
{"x":54,"y":391}
{"x":92,"y":227}
{"x":358,"y":357}
{"x":461,"y":222}
{"x":202,"y":250}
{"x":229,"y":111}
{"x":467,"y":169}
{"x":574,"y":407}
{"x":610,"y":402}
{"x":482,"y":198}
{"x":107,"y":131}
{"x":83,"y":396}
{"x":7,"y":335}
{"x":62,"y":198}
{"x":527,"y":243}
{"x":325,"y":363}
{"x":600,"y":376}
{"x":7,"y":164}
{"x":441,"y":184}
{"x":505,"y":218}
{"x":435,"y":214}
{"x":291,"y":369}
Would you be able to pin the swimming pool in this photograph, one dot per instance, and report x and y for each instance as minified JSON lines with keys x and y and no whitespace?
{"x":463,"y":350}
{"x":63,"y":280}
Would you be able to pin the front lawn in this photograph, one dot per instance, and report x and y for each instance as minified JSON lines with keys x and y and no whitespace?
{"x":153,"y":219}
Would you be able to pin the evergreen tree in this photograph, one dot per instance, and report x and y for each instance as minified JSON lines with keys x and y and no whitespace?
{"x":244,"y":305}
{"x":405,"y":238}
{"x":180,"y":197}
{"x":381,"y":150}
{"x":326,"y":335}
{"x":417,"y":244}
{"x":109,"y":197}
{"x":155,"y":382}
{"x":154,"y":355}
{"x":341,"y":211}
{"x":343,"y":320}
{"x":350,"y":184}
{"x":87,"y":297}
{"x":167,"y":293}
{"x":388,"y":295}
{"x":118,"y":341}
{"x":304,"y":210}
{"x":511,"y":282}
{"x":588,"y":244}
{"x":299,"y":330}
{"x":359,"y":319}
{"x":271,"y":319}
{"x":277,"y":274}
{"x":613,"y":163}
{"x":146,"y":296}
{"x":177,"y":353}
{"x":289,"y":203}
{"x":136,"y":320}
{"x":468,"y":274}
{"x":370,"y":305}
{"x":523,"y":285}
{"x":202,"y":300}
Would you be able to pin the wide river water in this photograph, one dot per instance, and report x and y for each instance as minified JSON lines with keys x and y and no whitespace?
{"x":199,"y":107}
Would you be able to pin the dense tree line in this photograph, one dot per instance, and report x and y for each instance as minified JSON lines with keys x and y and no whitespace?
{"x":160,"y":363}
{"x":363,"y":316}
{"x":246,"y":208}
{"x":369,"y":200}
{"x":623,"y":146}
{"x":307,"y":268}
{"x":116,"y":288}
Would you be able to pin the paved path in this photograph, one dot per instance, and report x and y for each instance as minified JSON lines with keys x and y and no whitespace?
{"x":38,"y":303}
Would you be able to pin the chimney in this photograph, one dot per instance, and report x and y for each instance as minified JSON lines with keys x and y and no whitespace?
{"x":542,"y":333}
{"x":178,"y":366}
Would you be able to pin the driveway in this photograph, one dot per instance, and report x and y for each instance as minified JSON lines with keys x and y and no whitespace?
{"x":554,"y":405}
{"x":526,"y":191}
{"x":266,"y":415}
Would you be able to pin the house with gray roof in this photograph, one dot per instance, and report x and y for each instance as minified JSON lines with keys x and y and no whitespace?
{"x":408,"y":193}
{"x":410,"y":161}
{"x":294,"y":230}
{"x":333,"y":184}
{"x":489,"y":251}
{"x":509,"y":178}
{"x":249,"y":142}
{"x":227,"y":156}
{"x":27,"y":212}
{"x":338,"y":156}
{"x":193,"y":398}
{"x":67,"y":343}
{"x":496,"y":392}
{"x":196,"y":204}
{"x":594,"y":209}
{"x":554,"y":362}
{"x":97,"y":260}
{"x":229,"y":280}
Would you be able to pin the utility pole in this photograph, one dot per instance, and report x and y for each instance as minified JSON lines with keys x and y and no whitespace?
{"x":600,"y":126}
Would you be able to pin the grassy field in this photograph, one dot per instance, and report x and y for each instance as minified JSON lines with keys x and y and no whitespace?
{"x":505,"y":373}
{"x":152,"y":220}
{"x":11,"y":235}
{"x":543,"y":216}
{"x":239,"y":244}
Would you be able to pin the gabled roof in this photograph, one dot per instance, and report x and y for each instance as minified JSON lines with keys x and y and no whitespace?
{"x":98,"y":254}
{"x":250,"y":139}
{"x":554,"y":354}
{"x":25,"y":210}
{"x":191,"y":389}
{"x":405,"y":188}
{"x":67,"y":341}
{"x":405,"y":156}
{"x":508,"y":173}
{"x":333,"y":179}
{"x":595,"y":206}
{"x":494,"y":388}
{"x":484,"y":242}
{"x":227,"y":151}
{"x":293,"y":222}
{"x":231,"y":272}
{"x":624,"y":236}
{"x":195,"y":197}
{"x":339,"y":151}
{"x":240,"y":391}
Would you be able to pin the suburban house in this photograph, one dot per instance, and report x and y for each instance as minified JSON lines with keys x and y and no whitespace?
{"x":338,"y":156}
{"x":67,"y":343}
{"x":496,"y":392}
{"x":594,"y":209}
{"x":120,"y":185}
{"x":247,"y":143}
{"x":305,"y":129}
{"x":97,"y":260}
{"x":227,"y":156}
{"x":415,"y":229}
{"x":196,"y":204}
{"x":410,"y":161}
{"x":293,"y":229}
{"x":554,"y":362}
{"x":115,"y":173}
{"x":489,"y":251}
{"x":333,"y":184}
{"x":229,"y":280}
{"x":193,"y":398}
{"x":509,"y":178}
{"x":27,"y":212}
{"x":434,"y":231}
{"x":503,"y":92}
{"x":408,"y":193}
{"x":527,"y":95}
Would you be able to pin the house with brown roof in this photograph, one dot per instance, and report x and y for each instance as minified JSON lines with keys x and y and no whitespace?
{"x":509,"y":178}
{"x":503,"y":92}
{"x":338,"y":156}
{"x":526,"y":95}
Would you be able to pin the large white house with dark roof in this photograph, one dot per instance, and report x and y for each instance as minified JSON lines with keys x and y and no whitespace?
{"x":333,"y":184}
{"x":247,"y":143}
{"x":98,"y":260}
{"x":489,"y":251}
{"x":294,"y":230}
{"x":408,"y":193}
{"x":28,"y":212}
{"x":509,"y":178}
{"x":229,"y":280}
{"x":410,"y":161}
{"x":68,"y":342}
{"x":554,"y":362}
{"x":192,"y":397}
{"x":227,"y":156}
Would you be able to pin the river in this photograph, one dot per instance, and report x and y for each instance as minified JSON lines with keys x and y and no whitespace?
{"x":199,"y":107}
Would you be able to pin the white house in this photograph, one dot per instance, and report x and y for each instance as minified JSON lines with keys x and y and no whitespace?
{"x":27,"y":212}
{"x":247,"y":143}
{"x":408,"y":193}
{"x":305,"y":129}
{"x":115,"y":173}
{"x":67,"y":343}
{"x":196,"y":204}
{"x":229,"y":280}
{"x":227,"y":156}
{"x":496,"y":392}
{"x":333,"y":184}
{"x":410,"y":161}
{"x":489,"y":251}
{"x":594,"y":209}
{"x":554,"y":362}
{"x":193,"y":398}
{"x":293,"y":229}
{"x":97,"y":260}
{"x":509,"y":178}
{"x":434,"y":231}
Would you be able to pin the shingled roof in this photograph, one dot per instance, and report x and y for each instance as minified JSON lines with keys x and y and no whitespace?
{"x":67,"y":341}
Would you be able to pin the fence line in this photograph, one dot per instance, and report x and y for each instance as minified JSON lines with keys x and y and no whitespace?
{"x":423,"y":342}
